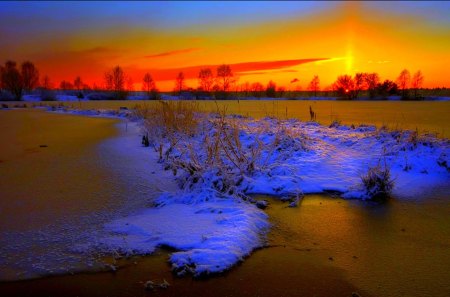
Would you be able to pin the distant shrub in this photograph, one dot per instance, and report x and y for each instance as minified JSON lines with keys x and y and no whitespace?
{"x":101,"y":96}
{"x":6,"y":96}
{"x":47,"y":95}
{"x":378,"y":182}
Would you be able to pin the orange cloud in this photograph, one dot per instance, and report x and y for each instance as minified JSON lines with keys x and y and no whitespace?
{"x":171,"y":53}
{"x":191,"y":72}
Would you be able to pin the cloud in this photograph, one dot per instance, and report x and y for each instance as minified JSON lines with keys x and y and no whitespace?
{"x":171,"y":53}
{"x":378,"y":62}
{"x":245,"y":68}
{"x":294,"y":80}
{"x":266,"y":72}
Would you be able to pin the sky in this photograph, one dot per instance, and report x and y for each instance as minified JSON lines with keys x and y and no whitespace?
{"x":287,"y":42}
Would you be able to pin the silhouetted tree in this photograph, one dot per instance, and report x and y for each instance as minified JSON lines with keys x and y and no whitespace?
{"x":78,"y":83}
{"x":30,"y":76}
{"x":149,"y":87}
{"x":65,"y":85}
{"x":403,"y":82}
{"x":359,"y":83}
{"x":245,"y":89}
{"x":416,"y":82}
{"x":115,"y":81}
{"x":280,"y":92}
{"x":257,"y":89}
{"x":372,"y":80}
{"x":314,"y":85}
{"x":12,"y":80}
{"x":344,"y":85}
{"x":46,"y":91}
{"x":387,"y":88}
{"x":271,"y":89}
{"x":205,"y":79}
{"x":46,"y":83}
{"x":224,"y":77}
{"x":179,"y":82}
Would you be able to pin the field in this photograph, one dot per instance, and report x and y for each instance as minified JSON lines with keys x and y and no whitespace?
{"x":426,"y":116}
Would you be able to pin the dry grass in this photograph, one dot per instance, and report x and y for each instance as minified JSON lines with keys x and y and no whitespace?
{"x":378,"y":182}
{"x":214,"y":151}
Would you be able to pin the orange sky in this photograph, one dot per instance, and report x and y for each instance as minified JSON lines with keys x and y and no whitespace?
{"x":260,"y":41}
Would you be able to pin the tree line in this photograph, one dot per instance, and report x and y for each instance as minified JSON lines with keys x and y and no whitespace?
{"x":17,"y":80}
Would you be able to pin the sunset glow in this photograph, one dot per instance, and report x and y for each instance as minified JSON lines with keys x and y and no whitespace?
{"x":287,"y":42}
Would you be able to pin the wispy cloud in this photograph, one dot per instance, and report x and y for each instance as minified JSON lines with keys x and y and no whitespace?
{"x":171,"y":53}
{"x":245,"y":68}
{"x":266,"y":72}
{"x":378,"y":62}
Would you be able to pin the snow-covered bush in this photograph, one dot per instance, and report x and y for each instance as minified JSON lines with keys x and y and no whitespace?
{"x":378,"y":182}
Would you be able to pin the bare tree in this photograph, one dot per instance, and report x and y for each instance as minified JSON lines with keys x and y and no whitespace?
{"x":416,"y":82}
{"x":271,"y":89}
{"x":387,"y":88}
{"x":78,"y":83}
{"x":47,"y":94}
{"x":257,"y":89}
{"x":224,"y":77}
{"x":30,"y":76}
{"x":46,"y":83}
{"x":149,"y":86}
{"x":314,"y":85}
{"x":12,"y":80}
{"x":359,"y":83}
{"x":65,"y":85}
{"x":403,"y":82}
{"x":345,"y":85}
{"x":205,"y":79}
{"x":115,"y":80}
{"x":179,"y":82}
{"x":372,"y":80}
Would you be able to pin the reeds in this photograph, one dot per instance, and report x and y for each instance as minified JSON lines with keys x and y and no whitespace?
{"x":377,"y":182}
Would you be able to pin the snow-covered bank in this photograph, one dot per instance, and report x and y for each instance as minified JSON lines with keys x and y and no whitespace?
{"x":211,"y":232}
{"x":211,"y":220}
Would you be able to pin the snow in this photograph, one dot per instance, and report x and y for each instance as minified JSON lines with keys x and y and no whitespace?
{"x":212,"y":230}
{"x":212,"y":223}
{"x":210,"y":237}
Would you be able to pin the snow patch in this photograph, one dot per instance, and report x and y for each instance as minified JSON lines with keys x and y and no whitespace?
{"x":210,"y":236}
